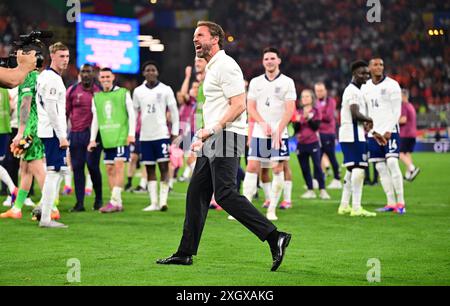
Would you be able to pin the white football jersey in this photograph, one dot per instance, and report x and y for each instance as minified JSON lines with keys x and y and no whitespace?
{"x":349,"y":131}
{"x":153,"y":104}
{"x":14,"y":96}
{"x":271,"y":97}
{"x":50,"y":91}
{"x":384,"y":102}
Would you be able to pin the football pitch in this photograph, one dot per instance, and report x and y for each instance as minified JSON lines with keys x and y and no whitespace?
{"x":326,"y":249}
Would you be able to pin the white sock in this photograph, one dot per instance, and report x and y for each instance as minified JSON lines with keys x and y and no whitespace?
{"x":116,"y":196}
{"x":267,"y":188}
{"x":346,"y":190}
{"x":249,"y":185}
{"x":89,"y":184}
{"x":386,"y":182}
{"x":411,"y":168}
{"x":143,"y":183}
{"x":287,"y":191}
{"x":187,"y":172}
{"x":192,"y":166}
{"x":68,"y":178}
{"x":277,"y":188}
{"x":153,"y":192}
{"x":58,"y":186}
{"x":163,"y":193}
{"x":49,"y":192}
{"x":171,"y":182}
{"x":4,"y":177}
{"x":397,"y":178}
{"x":357,"y":187}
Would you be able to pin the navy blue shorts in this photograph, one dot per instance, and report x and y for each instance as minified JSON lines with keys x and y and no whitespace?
{"x":407,"y":145}
{"x":379,"y":153}
{"x":155,"y":151}
{"x":3,"y":145}
{"x":119,"y":153}
{"x":355,"y":154}
{"x":261,"y":150}
{"x":55,"y":157}
{"x":136,"y":147}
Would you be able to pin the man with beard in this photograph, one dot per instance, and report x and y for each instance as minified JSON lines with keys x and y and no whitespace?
{"x":219,"y":145}
{"x":79,"y":112}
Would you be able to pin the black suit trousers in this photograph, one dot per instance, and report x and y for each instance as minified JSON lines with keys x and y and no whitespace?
{"x":215,"y":173}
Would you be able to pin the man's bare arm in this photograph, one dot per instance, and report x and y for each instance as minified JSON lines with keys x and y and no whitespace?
{"x":237,"y":107}
{"x":12,"y":77}
{"x":356,"y":114}
{"x":24,"y":114}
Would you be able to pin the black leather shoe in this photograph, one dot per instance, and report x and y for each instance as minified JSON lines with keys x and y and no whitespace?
{"x":78,"y":208}
{"x":278,"y":253}
{"x":176,"y":260}
{"x":97,"y":205}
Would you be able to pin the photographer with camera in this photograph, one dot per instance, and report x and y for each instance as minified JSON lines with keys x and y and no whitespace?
{"x":25,"y":58}
{"x":12,"y":77}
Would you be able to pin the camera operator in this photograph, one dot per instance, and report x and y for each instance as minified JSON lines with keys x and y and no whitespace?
{"x":12,"y":77}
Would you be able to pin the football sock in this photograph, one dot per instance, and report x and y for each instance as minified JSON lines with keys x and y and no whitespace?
{"x":277,"y":188}
{"x":397,"y":178}
{"x":68,"y":178}
{"x":249,"y":185}
{"x":347,"y":189}
{"x":58,"y":188}
{"x":357,"y":187}
{"x":187,"y":172}
{"x":386,"y":182}
{"x":153,"y":192}
{"x":143,"y":183}
{"x":163,"y":193}
{"x":116,"y":196}
{"x":21,"y":197}
{"x":267,"y":187}
{"x":287,"y":191}
{"x":49,"y":192}
{"x":89,"y":184}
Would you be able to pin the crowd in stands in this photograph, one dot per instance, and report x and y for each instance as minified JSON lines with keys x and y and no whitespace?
{"x":318,"y":40}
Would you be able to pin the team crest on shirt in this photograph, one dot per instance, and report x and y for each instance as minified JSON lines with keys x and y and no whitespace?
{"x":277,"y":90}
{"x":53,"y":91}
{"x":159,"y":97}
{"x":383,"y":91}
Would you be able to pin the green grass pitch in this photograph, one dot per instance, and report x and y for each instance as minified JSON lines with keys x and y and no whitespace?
{"x":326,"y":249}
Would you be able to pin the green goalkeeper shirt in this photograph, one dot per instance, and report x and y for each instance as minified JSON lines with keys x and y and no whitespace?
{"x":28,"y":89}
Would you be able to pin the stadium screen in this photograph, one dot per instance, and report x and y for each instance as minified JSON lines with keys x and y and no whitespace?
{"x":108,"y":42}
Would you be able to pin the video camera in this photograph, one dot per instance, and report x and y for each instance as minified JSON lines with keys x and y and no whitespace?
{"x":27,"y":42}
